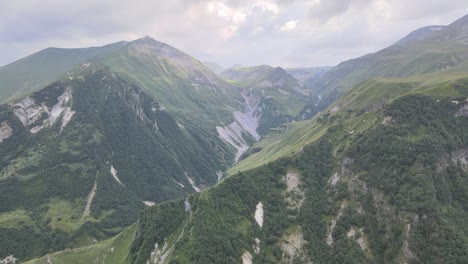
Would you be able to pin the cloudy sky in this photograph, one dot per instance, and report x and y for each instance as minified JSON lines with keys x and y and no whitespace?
{"x":248,"y":32}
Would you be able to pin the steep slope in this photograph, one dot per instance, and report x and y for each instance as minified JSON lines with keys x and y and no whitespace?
{"x":394,"y":192}
{"x":307,"y":75}
{"x":426,"y":50}
{"x":42,"y":68}
{"x":283,"y":99}
{"x":182,"y":84}
{"x":80,"y":157}
{"x":214,"y":67}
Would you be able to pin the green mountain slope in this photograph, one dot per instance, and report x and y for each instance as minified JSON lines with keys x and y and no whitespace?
{"x":281,"y":92}
{"x":307,"y":75}
{"x":426,"y":50}
{"x":79,"y":157}
{"x":393,"y":193}
{"x":214,"y":67}
{"x":42,"y":68}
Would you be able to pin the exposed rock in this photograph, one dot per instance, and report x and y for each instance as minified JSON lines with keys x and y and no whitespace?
{"x":463,"y":111}
{"x":292,"y":246}
{"x":9,"y":260}
{"x":28,"y":112}
{"x":244,"y":123}
{"x":5,"y":131}
{"x":362,"y":242}
{"x":192,"y":182}
{"x":87,"y":209}
{"x":335,"y":109}
{"x":149,"y":203}
{"x":259,"y":214}
{"x":334,"y":179}
{"x":458,"y":156}
{"x":256,"y":247}
{"x":387,"y":119}
{"x":113,"y":171}
{"x":333,"y":224}
{"x":220,"y":175}
{"x":295,"y":195}
{"x":247,"y":258}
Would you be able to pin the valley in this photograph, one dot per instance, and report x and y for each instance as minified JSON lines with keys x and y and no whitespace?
{"x":137,"y":152}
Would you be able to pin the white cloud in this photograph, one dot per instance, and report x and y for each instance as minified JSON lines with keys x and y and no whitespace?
{"x":322,"y":32}
{"x":288,"y":26}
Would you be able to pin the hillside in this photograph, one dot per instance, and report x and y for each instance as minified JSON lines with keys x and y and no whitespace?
{"x":142,"y":154}
{"x":214,"y":67}
{"x":280,"y":92}
{"x":42,"y":68}
{"x":375,"y":195}
{"x":81,"y":158}
{"x":426,"y":50}
{"x":305,"y":76}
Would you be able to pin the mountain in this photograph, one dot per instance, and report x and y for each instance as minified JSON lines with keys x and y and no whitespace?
{"x":374,"y":187}
{"x":214,"y":67}
{"x":82,"y":156}
{"x":380,"y":175}
{"x":290,"y":99}
{"x":42,"y":68}
{"x":426,"y":50}
{"x":306,"y":75}
{"x":135,"y":125}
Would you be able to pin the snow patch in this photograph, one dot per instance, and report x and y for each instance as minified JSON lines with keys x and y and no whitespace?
{"x":113,"y":171}
{"x":259,"y":214}
{"x":5,"y":131}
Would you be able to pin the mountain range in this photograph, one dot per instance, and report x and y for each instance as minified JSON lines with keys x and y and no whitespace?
{"x":136,"y":152}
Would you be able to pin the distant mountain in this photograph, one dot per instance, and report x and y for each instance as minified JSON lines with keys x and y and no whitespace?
{"x":282,"y":95}
{"x":426,"y":50}
{"x":44,"y":67}
{"x":418,"y":35}
{"x":380,"y":175}
{"x":305,"y":75}
{"x":378,"y":180}
{"x":214,"y":67}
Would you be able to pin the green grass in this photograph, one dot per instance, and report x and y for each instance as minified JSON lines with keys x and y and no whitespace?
{"x":355,"y":112}
{"x":15,"y":219}
{"x":111,"y":251}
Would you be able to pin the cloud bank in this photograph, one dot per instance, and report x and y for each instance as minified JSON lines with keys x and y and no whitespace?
{"x":248,"y":32}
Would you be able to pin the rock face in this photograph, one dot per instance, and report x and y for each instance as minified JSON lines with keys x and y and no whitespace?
{"x":259,"y":214}
{"x":37,"y":115}
{"x":5,"y":131}
{"x":244,"y":123}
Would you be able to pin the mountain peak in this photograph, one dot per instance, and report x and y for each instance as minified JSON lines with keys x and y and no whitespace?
{"x":420,"y":34}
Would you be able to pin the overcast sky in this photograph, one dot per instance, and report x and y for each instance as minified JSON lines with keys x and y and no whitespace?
{"x":248,"y":32}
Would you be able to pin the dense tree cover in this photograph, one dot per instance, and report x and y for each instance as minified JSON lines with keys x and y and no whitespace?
{"x":412,"y":206}
{"x":410,"y":161}
{"x":115,"y":124}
